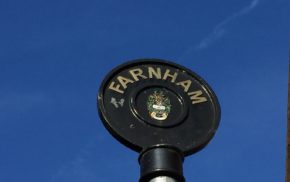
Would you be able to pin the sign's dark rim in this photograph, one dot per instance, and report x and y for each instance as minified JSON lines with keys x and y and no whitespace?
{"x":135,"y":62}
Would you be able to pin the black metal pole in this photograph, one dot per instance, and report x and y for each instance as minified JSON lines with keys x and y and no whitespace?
{"x":161,"y":164}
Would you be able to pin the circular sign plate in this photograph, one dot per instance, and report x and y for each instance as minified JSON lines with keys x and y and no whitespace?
{"x":152,"y":102}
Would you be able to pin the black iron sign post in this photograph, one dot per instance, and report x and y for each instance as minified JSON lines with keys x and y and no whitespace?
{"x":160,"y":109}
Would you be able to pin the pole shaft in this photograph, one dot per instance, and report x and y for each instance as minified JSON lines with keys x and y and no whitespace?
{"x":288,"y":136}
{"x":161,"y":164}
{"x":163,"y":179}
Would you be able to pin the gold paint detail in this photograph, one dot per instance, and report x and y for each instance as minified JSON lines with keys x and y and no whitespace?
{"x":156,"y":73}
{"x":124,"y":81}
{"x":137,"y":73}
{"x":116,"y":87}
{"x":167,"y":74}
{"x":185,"y":84}
{"x":196,"y":97}
{"x":159,"y":117}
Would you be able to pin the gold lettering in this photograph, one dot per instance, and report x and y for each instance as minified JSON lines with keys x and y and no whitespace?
{"x":152,"y":72}
{"x":185,"y":84}
{"x":196,"y":97}
{"x":116,"y":87}
{"x":124,"y":81}
{"x":166,"y":74}
{"x":137,"y":73}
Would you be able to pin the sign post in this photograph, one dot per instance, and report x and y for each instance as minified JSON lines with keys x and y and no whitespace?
{"x":161,"y":110}
{"x":288,"y":136}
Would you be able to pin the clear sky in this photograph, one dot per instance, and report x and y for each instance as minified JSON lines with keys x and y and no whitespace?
{"x":54,"y":54}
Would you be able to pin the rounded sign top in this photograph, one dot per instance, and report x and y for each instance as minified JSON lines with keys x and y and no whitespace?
{"x":152,"y":102}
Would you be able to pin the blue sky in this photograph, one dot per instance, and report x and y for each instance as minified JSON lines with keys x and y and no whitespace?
{"x":54,"y":54}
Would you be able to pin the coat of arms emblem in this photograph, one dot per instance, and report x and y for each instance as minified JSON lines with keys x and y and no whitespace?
{"x":158,"y":105}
